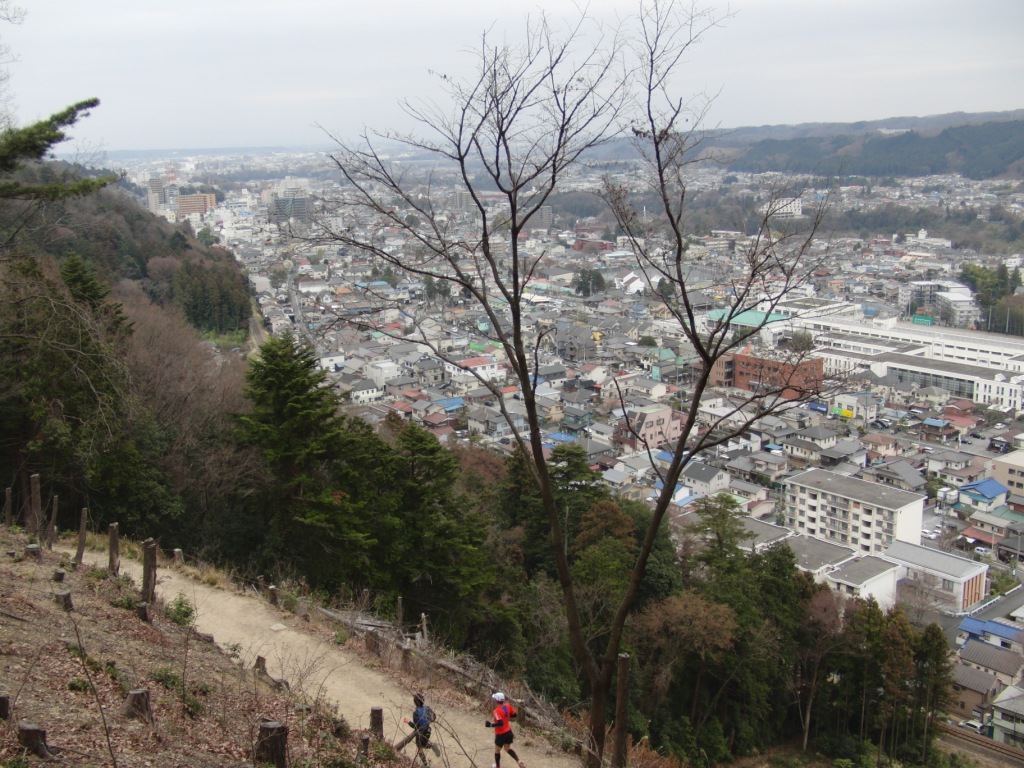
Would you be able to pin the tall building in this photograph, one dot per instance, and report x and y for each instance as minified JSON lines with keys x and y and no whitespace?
{"x":846,"y":510}
{"x":201,"y":203}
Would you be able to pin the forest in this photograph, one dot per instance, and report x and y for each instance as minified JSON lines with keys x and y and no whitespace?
{"x":109,"y":396}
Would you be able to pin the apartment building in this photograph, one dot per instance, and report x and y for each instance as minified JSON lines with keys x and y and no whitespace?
{"x":846,"y":510}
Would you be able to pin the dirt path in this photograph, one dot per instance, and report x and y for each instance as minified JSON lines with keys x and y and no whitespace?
{"x":315,"y":666}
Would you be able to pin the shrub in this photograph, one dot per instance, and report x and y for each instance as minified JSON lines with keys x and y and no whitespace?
{"x":166,"y":677}
{"x":78,"y":684}
{"x":181,"y":611}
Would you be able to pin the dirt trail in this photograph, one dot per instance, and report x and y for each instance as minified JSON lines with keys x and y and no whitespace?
{"x":316,"y":666}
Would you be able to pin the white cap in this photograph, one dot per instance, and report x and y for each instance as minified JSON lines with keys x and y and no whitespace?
{"x":498,"y":696}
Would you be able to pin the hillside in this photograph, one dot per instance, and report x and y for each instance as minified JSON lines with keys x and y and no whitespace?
{"x":48,"y":658}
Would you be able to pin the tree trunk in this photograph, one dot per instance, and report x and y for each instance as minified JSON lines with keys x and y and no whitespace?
{"x":598,"y":721}
{"x":114,"y":560}
{"x":83,"y":520}
{"x":8,"y":512}
{"x":32,"y":514}
{"x":810,"y":706}
{"x":620,"y":754}
{"x":149,"y":571}
{"x":272,"y":744}
{"x":5,"y":706}
{"x":51,"y":527}
{"x":142,"y":611}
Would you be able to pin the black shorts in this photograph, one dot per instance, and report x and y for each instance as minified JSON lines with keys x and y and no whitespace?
{"x":501,"y":739}
{"x":422,"y":739}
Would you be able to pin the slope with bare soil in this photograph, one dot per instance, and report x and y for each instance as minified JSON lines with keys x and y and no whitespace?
{"x":36,"y":667}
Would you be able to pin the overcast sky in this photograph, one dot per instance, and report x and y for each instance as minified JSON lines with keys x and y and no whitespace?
{"x":219,"y":73}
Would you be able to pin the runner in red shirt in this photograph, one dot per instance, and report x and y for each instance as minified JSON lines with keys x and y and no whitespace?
{"x":503,"y":715}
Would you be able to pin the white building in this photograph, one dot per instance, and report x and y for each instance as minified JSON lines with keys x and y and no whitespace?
{"x":846,"y":510}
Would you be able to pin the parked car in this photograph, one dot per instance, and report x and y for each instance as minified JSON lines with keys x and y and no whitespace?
{"x":973,"y":725}
{"x":927,"y":534}
{"x":965,"y":442}
{"x":977,"y":435}
{"x":979,"y":550}
{"x":1000,"y":425}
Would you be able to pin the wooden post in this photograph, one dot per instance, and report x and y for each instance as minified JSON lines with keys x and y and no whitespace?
{"x":423,"y":626}
{"x":83,"y":520}
{"x":398,"y":613}
{"x":621,"y":704}
{"x":377,"y":722}
{"x":272,"y":595}
{"x":260,"y":584}
{"x":142,"y":611}
{"x":33,"y":513}
{"x":63,"y":599}
{"x":114,"y":562}
{"x":8,"y":510}
{"x":406,"y":657}
{"x":260,"y":665}
{"x":5,"y":706}
{"x":58,"y":575}
{"x":179,"y":557}
{"x":51,"y":527}
{"x":149,"y":571}
{"x":370,"y":641}
{"x":272,"y":744}
{"x":137,"y":705}
{"x":364,"y":748}
{"x":33,"y":738}
{"x":33,"y":552}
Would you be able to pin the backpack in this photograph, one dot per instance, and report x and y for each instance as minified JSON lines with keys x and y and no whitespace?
{"x":422,"y":717}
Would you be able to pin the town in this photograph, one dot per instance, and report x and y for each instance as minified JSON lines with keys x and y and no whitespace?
{"x":903,"y":481}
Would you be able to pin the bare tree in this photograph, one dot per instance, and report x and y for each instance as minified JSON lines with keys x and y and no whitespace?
{"x":527,"y":123}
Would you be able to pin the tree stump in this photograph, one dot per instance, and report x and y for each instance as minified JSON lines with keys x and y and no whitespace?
{"x":377,"y":722}
{"x":33,"y":738}
{"x":63,"y":599}
{"x":272,"y":744}
{"x":260,"y":665}
{"x":406,"y":657}
{"x":272,"y":596}
{"x":5,"y":706}
{"x":179,"y":557}
{"x":371,"y":642}
{"x":137,"y":705}
{"x":33,"y":552}
{"x":58,"y":575}
{"x":364,"y":747}
{"x":142,"y":611}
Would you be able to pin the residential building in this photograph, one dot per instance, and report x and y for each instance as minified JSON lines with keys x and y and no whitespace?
{"x":937,"y":579}
{"x":650,"y":426}
{"x":1008,"y":717}
{"x":846,"y":510}
{"x":867,"y":577}
{"x":973,"y":691}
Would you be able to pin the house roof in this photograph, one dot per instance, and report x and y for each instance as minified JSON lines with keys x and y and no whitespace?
{"x":855,"y":488}
{"x":987,"y":488}
{"x":701,"y":472}
{"x":973,"y":679}
{"x":905,"y":553}
{"x":858,"y":572}
{"x":1010,"y":700}
{"x":814,"y":554}
{"x":990,"y":657}
{"x":981,"y":627}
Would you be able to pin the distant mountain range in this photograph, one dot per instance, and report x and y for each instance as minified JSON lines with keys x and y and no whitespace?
{"x":979,"y":145}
